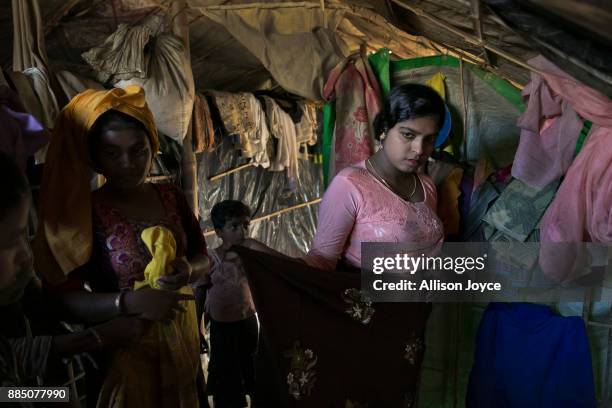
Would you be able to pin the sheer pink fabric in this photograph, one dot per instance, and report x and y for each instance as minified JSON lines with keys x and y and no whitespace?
{"x":582,"y":208}
{"x":358,"y":208}
{"x":549,"y":130}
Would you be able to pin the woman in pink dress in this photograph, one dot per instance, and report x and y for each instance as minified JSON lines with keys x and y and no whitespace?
{"x":316,"y":353}
{"x":384,"y":198}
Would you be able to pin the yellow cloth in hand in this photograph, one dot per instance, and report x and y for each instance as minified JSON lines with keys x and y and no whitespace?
{"x":161,"y":370}
{"x":161,"y":244}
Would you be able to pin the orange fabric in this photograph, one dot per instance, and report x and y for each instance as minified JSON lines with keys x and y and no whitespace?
{"x":64,"y":238}
{"x":448,"y":201}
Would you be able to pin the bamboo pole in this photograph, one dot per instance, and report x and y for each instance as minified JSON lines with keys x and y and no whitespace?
{"x":180,"y":28}
{"x":275,"y":213}
{"x":466,"y":36}
{"x":465,"y":112}
{"x":228,"y":172}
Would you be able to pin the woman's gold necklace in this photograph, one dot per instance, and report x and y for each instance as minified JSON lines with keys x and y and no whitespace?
{"x":382,"y":180}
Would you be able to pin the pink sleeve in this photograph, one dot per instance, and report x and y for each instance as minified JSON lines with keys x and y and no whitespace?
{"x":337,"y":215}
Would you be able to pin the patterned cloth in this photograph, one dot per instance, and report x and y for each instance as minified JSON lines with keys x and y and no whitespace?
{"x":325,"y":345}
{"x":243,"y":115}
{"x":355,"y":89}
{"x":519,"y":208}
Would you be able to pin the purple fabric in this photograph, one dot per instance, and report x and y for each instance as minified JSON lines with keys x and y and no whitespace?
{"x":21,"y":135}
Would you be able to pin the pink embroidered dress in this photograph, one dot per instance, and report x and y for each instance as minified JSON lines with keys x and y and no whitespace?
{"x":120,"y":256}
{"x":358,"y":208}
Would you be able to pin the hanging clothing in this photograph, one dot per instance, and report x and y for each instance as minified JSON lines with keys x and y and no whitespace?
{"x":306,"y":129}
{"x":41,"y":84}
{"x":315,"y":325}
{"x":22,"y":135}
{"x":284,"y":130}
{"x":243,"y":115}
{"x":581,"y":211}
{"x":64,"y":238}
{"x":358,"y":208}
{"x":26,"y":93}
{"x":30,"y":57}
{"x":202,"y":125}
{"x":528,"y":357}
{"x":356,"y":92}
{"x":550,"y":128}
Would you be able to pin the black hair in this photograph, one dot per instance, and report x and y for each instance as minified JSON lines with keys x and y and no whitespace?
{"x":409,"y":101}
{"x":111,"y":120}
{"x":14,"y":184}
{"x":227,"y":209}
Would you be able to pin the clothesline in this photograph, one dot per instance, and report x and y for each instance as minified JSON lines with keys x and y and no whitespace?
{"x":274,"y":214}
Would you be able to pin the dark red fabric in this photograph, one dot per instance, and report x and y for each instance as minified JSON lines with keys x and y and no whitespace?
{"x":363,"y":363}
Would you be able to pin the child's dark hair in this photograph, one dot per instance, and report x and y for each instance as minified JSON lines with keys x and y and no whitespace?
{"x":227,"y":209}
{"x":409,"y":101}
{"x":111,"y":120}
{"x":14,"y":183}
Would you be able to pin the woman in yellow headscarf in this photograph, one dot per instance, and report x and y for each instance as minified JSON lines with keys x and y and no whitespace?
{"x":96,"y":240}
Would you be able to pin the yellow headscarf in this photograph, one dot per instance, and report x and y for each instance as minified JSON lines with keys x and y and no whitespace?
{"x":64,"y":238}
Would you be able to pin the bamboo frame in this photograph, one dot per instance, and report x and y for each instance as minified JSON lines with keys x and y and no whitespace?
{"x":274,"y":214}
{"x":466,"y":36}
{"x":230,"y":171}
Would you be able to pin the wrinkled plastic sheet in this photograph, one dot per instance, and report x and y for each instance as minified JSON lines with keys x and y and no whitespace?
{"x":264,"y":192}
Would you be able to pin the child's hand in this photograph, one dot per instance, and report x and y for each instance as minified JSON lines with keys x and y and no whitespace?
{"x":180,"y":278}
